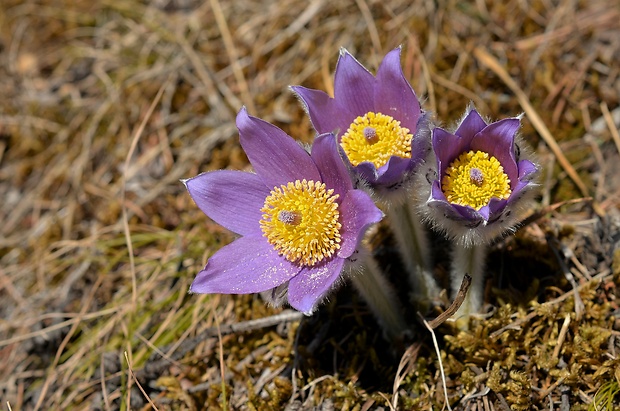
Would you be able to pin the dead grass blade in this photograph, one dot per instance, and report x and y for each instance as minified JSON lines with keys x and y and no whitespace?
{"x":132,"y":375}
{"x":613,"y":128}
{"x":232,"y":54}
{"x":441,"y":369}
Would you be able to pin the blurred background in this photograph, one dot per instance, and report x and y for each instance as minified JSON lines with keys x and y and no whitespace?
{"x":105,"y":105}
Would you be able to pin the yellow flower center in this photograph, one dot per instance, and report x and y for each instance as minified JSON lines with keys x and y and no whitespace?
{"x":300,"y":220}
{"x":375,"y":137}
{"x":474,"y":178}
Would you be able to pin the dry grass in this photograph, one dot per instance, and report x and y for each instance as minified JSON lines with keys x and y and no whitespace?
{"x":99,"y":242}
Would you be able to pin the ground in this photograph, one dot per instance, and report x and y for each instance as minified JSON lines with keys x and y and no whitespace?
{"x":107,"y":105}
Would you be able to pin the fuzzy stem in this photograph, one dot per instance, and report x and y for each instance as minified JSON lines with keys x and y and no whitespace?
{"x":412,"y":241}
{"x":380,"y":296}
{"x":468,"y":260}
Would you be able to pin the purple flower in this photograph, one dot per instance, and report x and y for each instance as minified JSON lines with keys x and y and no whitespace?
{"x":378,"y":120}
{"x":299,"y":218}
{"x":480,"y":182}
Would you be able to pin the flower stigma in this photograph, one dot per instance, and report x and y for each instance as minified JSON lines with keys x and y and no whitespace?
{"x":301,"y":221}
{"x":289,"y":217}
{"x":375,"y":137}
{"x":474,"y":178}
{"x":371,"y":135}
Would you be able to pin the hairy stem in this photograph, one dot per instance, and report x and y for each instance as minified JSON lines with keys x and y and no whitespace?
{"x":468,"y":260}
{"x":412,"y":241}
{"x":380,"y":296}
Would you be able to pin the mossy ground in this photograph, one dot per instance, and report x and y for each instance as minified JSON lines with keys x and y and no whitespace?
{"x":99,"y":240}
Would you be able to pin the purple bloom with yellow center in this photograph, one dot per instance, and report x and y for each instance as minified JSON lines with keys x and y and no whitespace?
{"x":299,"y":218}
{"x":480,"y":180}
{"x":380,"y":125}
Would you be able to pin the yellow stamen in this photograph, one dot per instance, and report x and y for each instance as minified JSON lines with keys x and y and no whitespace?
{"x":300,"y":220}
{"x":474,"y":178}
{"x":375,"y":137}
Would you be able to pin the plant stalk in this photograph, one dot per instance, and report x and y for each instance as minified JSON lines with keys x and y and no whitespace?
{"x":468,"y":260}
{"x":380,"y":296}
{"x":412,"y":241}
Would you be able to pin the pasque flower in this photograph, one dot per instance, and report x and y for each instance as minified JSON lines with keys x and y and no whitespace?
{"x":476,"y":193}
{"x":480,"y":180}
{"x":299,"y":217}
{"x":380,"y":125}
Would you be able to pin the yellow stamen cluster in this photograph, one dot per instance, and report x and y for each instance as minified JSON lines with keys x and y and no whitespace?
{"x":300,"y":220}
{"x":376,"y":137}
{"x":474,"y":178}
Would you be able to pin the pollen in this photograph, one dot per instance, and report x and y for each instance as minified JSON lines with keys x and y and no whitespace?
{"x":301,"y":221}
{"x":375,"y":137}
{"x":474,"y":178}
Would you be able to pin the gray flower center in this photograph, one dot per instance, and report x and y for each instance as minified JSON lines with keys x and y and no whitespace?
{"x":476,"y":176}
{"x":371,"y":135}
{"x":289,"y":217}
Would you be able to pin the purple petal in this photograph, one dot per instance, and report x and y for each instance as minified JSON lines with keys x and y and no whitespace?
{"x":526,"y":169}
{"x":248,"y":265}
{"x":471,"y":125}
{"x":393,"y":93}
{"x":232,"y":199}
{"x":516,"y":191}
{"x":325,"y":115}
{"x":353,"y":87}
{"x":471,"y":215}
{"x":497,"y":139}
{"x":357,"y":213}
{"x":327,"y":158}
{"x":421,"y":142}
{"x":437,"y":193}
{"x":496,"y":207}
{"x":394,"y":171}
{"x":447,"y":148}
{"x":367,"y":171}
{"x":484,"y":212}
{"x":446,"y":209}
{"x":443,"y":205}
{"x":308,"y":288}
{"x":275,"y":156}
